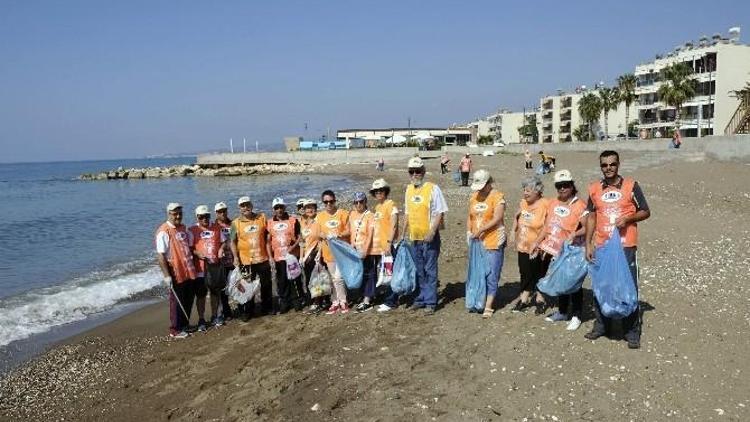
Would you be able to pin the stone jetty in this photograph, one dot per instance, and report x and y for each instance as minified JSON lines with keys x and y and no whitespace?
{"x":197,"y":170}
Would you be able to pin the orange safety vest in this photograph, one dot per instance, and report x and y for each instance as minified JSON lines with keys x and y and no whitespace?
{"x":360,"y":227}
{"x":331,"y":225}
{"x":382,"y":222}
{"x":481,"y":212}
{"x":207,"y":243}
{"x":562,"y":220}
{"x":180,"y":255}
{"x":282,"y":236}
{"x":530,"y":223}
{"x":611,"y":203}
{"x":251,"y":239}
{"x":310,"y":231}
{"x":228,"y":259}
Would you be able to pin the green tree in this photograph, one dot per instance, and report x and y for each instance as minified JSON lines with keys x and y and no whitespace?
{"x":678,"y":87}
{"x":590,"y":107}
{"x":626,"y":89}
{"x":484,"y":140}
{"x":529,"y":129}
{"x":609,"y":99}
{"x":581,"y":133}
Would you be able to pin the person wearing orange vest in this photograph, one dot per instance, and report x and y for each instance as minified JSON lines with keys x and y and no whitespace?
{"x":527,"y":225}
{"x":616,"y":203}
{"x":385,"y":230}
{"x":223,"y":220}
{"x":283,"y":239}
{"x":333,"y":223}
{"x":207,"y":252}
{"x":566,"y":218}
{"x":361,"y":238}
{"x":248,"y":237}
{"x":485,"y":222}
{"x":425,"y":210}
{"x":174,"y":253}
{"x":309,"y":251}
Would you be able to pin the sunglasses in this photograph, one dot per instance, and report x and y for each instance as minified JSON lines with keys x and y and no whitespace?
{"x":605,"y":165}
{"x":223,"y":210}
{"x":330,"y":201}
{"x":279,"y":207}
{"x":416,"y":171}
{"x":202,"y":216}
{"x":176,"y":212}
{"x":563,"y":185}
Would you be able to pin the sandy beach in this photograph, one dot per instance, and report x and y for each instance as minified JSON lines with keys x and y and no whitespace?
{"x":693,"y":257}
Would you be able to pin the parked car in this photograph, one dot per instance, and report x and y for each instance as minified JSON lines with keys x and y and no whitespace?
{"x":498,"y":144}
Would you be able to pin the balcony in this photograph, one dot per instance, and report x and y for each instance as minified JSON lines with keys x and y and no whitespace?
{"x":547,"y":104}
{"x":567,"y":102}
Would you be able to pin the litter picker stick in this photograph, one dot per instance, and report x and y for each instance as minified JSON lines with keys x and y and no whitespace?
{"x":179,"y":303}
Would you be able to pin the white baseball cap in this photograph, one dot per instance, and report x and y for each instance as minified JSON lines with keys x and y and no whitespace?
{"x":243,"y":199}
{"x":309,"y":201}
{"x":379,"y":184}
{"x":278,"y":201}
{"x":415,"y":163}
{"x":300,"y":202}
{"x":220,"y":206}
{"x":202,"y":209}
{"x":563,"y":176}
{"x":479,"y":179}
{"x":173,"y":206}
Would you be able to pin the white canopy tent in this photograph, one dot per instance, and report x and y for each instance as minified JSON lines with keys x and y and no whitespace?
{"x":396,"y":140}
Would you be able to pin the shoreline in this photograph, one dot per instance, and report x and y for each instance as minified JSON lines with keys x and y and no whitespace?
{"x":278,"y":368}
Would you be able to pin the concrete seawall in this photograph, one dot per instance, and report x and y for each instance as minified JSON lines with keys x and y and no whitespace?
{"x":314,"y":157}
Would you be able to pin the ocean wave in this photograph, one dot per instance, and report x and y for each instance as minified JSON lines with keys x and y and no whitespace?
{"x":38,"y":311}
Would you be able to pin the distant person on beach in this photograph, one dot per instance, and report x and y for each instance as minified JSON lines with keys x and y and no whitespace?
{"x":444,"y":160}
{"x":310,"y":250}
{"x":248,"y":237}
{"x":381,"y":164}
{"x":485,"y":222}
{"x":174,"y":245}
{"x":283,"y":239}
{"x":223,"y":220}
{"x":565,"y":221}
{"x":464,"y":167}
{"x":385,"y":230}
{"x":361,"y":231}
{"x":615,"y":202}
{"x":527,"y":159}
{"x":334,"y":223}
{"x":527,"y":225}
{"x":425,"y":208}
{"x":676,"y":140}
{"x":210,"y":276}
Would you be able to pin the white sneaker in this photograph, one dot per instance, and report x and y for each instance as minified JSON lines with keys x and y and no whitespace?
{"x":574,"y":323}
{"x":383,"y":308}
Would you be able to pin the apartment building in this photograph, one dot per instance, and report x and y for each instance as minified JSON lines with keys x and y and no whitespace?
{"x":560,"y":117}
{"x":720,"y":64}
{"x":504,"y":125}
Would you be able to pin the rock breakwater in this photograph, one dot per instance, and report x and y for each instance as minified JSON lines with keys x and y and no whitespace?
{"x":196,"y":170}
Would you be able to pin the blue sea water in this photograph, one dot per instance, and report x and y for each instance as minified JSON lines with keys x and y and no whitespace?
{"x":73,"y":249}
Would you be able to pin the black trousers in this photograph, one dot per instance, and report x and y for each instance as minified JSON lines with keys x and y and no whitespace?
{"x":572,"y":304}
{"x":184,"y":293}
{"x":225,"y":309}
{"x":290,"y":292}
{"x":263,"y":271}
{"x":531,"y":269}
{"x":631,"y":324}
{"x":464,"y":178}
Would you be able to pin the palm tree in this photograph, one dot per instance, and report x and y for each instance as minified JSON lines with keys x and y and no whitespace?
{"x":590,"y":107}
{"x":626,"y":88}
{"x":609,"y":99}
{"x":678,"y":87}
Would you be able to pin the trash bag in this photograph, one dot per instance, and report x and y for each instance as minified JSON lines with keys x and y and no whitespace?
{"x":385,"y":272}
{"x":566,"y":273}
{"x":215,"y":277}
{"x":348,"y":262}
{"x":240,"y":289}
{"x":540,"y":169}
{"x":293,"y":269}
{"x":611,"y":280}
{"x":476,"y":277}
{"x":320,"y":281}
{"x":457,"y":176}
{"x":404,"y":280}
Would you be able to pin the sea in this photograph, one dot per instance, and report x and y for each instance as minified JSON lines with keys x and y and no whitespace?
{"x":80,"y":253}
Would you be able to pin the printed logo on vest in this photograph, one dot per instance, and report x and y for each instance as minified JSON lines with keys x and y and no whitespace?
{"x":377,"y":215}
{"x":527,"y":215}
{"x":611,"y":196}
{"x":251,"y":229}
{"x":562,"y":211}
{"x":225,"y":231}
{"x":332,"y":224}
{"x":207,"y":234}
{"x":480,"y":207}
{"x":280,"y":226}
{"x":417,"y":199}
{"x":181,"y":235}
{"x":306,"y":232}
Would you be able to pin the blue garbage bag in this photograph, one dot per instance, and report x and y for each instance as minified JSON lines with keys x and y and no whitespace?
{"x":540,"y":169}
{"x":611,"y":280}
{"x":404,"y":279}
{"x":566,"y":273}
{"x":348,"y":261}
{"x":457,"y":176}
{"x":476,"y":279}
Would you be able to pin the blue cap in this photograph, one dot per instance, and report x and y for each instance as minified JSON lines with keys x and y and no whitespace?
{"x":360,"y":196}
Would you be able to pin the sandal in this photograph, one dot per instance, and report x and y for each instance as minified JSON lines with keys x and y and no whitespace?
{"x":487,"y":313}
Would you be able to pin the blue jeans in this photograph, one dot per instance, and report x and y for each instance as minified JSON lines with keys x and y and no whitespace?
{"x":495,"y":258}
{"x":426,"y":261}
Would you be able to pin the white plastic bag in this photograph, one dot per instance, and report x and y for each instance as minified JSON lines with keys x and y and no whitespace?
{"x":241,"y":290}
{"x":385,"y":273}
{"x":293,"y":269}
{"x":320,"y":282}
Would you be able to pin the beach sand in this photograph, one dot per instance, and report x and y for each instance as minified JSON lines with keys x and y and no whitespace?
{"x":452,"y":365}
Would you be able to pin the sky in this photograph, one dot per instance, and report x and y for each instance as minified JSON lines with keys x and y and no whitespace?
{"x":104,"y":79}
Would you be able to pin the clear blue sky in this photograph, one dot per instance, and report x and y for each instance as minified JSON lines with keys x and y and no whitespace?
{"x":105,"y":79}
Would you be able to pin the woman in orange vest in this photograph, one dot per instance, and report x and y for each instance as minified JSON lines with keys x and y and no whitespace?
{"x":333,"y":222}
{"x":223,"y":220}
{"x":283,"y":239}
{"x":310,"y":251}
{"x":361,"y":235}
{"x":385,"y":230}
{"x":485,"y":222}
{"x":565,"y":222}
{"x":527,"y":225}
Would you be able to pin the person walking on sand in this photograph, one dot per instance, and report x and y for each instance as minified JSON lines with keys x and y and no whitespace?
{"x":310,"y":250}
{"x":425,"y":211}
{"x":527,"y":159}
{"x":381,"y":164}
{"x":174,"y":245}
{"x":333,"y":223}
{"x":283,"y":239}
{"x":248,"y":237}
{"x":223,"y":220}
{"x":385,"y":230}
{"x":485,"y":222}
{"x":527,"y":224}
{"x":566,"y":219}
{"x":361,"y":235}
{"x":464,"y":167}
{"x":210,"y":277}
{"x":444,"y":160}
{"x":616,"y":202}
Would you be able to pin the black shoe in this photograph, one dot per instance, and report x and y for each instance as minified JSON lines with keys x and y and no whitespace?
{"x":593,"y":335}
{"x":540,"y":308}
{"x":634,"y":344}
{"x":520,"y":306}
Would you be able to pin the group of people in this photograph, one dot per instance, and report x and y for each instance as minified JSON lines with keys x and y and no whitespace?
{"x":196,"y":260}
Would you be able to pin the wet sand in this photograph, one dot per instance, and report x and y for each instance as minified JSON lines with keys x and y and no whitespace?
{"x":451,"y":365}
